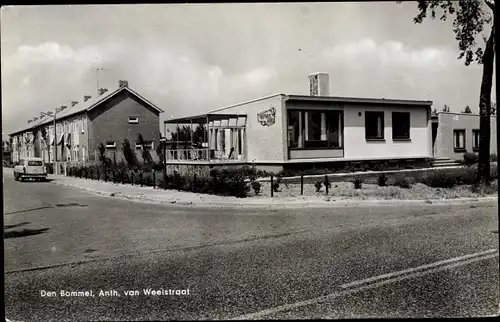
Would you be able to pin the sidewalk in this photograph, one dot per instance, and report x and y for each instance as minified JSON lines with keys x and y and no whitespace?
{"x":174,"y":197}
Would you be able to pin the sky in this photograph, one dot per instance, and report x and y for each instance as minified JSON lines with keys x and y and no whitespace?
{"x":192,"y":58}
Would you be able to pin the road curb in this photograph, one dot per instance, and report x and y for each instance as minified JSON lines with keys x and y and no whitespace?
{"x":277,"y":203}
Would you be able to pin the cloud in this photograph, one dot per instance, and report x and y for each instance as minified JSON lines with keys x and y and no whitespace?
{"x":392,"y":53}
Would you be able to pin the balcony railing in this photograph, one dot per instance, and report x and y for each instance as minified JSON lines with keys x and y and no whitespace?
{"x":198,"y":155}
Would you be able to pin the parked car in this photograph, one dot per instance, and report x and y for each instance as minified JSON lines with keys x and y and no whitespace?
{"x":30,"y":168}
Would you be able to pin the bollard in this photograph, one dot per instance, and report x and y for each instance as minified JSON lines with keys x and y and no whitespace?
{"x":272,"y":186}
{"x":301,"y":184}
{"x":154,"y":179}
{"x":326,"y":183}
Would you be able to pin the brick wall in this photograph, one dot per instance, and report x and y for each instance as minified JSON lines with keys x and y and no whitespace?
{"x":109,"y":122}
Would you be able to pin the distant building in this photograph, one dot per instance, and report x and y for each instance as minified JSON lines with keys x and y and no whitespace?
{"x":80,"y":129}
{"x":454,"y":134}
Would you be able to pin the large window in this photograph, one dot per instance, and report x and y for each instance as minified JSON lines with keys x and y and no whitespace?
{"x":475,"y":140}
{"x":459,"y":140}
{"x":374,"y":125}
{"x":314,"y":129}
{"x":400,"y":125}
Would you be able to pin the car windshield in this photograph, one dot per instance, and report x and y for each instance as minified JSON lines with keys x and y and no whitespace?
{"x":35,"y":163}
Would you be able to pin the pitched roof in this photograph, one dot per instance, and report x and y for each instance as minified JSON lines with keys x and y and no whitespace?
{"x":85,"y":106}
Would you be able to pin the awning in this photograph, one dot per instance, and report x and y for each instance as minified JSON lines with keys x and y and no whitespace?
{"x":51,"y":140}
{"x":60,"y":140}
{"x":68,"y":139}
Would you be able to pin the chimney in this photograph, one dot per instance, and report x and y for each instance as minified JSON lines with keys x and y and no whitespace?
{"x":86,"y":98}
{"x":123,"y":83}
{"x":63,"y":107}
{"x":29,"y":121}
{"x":102,"y":90}
{"x":73,"y":103}
{"x":319,"y":84}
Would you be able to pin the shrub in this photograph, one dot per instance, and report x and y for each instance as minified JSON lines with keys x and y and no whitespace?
{"x":470,"y":159}
{"x":358,"y":183}
{"x":276,"y":184}
{"x":348,"y":167}
{"x":256,"y":187}
{"x":403,"y":182}
{"x":318,"y":185}
{"x":493,"y":158}
{"x":483,"y":189}
{"x":382,"y":180}
{"x":440,"y":179}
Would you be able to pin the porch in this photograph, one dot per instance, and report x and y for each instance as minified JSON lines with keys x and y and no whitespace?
{"x":216,"y":138}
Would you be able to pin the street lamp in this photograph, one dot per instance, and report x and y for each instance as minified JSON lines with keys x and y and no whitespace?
{"x":50,"y":114}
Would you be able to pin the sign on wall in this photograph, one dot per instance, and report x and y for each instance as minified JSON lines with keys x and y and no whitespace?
{"x":267,"y":118}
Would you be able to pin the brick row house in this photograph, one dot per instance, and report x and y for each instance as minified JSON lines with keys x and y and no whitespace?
{"x":80,"y":128}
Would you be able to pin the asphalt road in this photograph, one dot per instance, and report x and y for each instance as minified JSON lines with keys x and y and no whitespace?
{"x":418,"y":261}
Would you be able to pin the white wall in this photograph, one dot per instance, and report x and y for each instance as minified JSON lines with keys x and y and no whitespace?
{"x":263,"y":143}
{"x":356,"y":146}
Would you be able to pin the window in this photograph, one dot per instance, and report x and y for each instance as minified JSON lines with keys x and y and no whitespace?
{"x":374,"y":125}
{"x":110,"y":144}
{"x":294,"y":129}
{"x":475,"y":140}
{"x":149,"y":145}
{"x":133,"y":120}
{"x":314,"y":129}
{"x":459,"y":140}
{"x":138,"y":146}
{"x":84,"y":124}
{"x":400,"y":125}
{"x":35,"y":163}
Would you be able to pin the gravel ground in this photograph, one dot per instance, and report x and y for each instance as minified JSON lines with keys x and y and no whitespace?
{"x":371,"y":191}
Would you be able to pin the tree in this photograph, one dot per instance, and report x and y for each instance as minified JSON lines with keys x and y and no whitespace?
{"x":145,"y":149}
{"x":470,"y":19}
{"x":467,"y":110}
{"x":102,"y":155}
{"x":43,"y":133}
{"x":159,"y":148}
{"x":128,"y":153}
{"x":434,"y":112}
{"x":446,"y":108}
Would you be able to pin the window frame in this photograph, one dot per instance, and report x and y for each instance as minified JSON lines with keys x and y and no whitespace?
{"x":305,"y":144}
{"x":133,"y":120}
{"x":110,"y":146}
{"x":401,"y":138}
{"x":475,"y":147}
{"x":455,"y":136}
{"x":374,"y":138}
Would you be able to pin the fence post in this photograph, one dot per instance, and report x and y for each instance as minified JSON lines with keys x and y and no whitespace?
{"x":272,"y":186}
{"x":301,"y":184}
{"x":97,"y":174}
{"x":91,"y":174}
{"x":123,"y":177}
{"x":114,"y":177}
{"x":132,"y":177}
{"x":140,"y":176}
{"x":178,"y":182}
{"x":326,"y":183}
{"x":154,"y":179}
